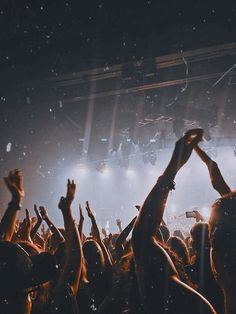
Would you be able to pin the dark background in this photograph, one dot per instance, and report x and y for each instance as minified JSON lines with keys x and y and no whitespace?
{"x":61,"y":36}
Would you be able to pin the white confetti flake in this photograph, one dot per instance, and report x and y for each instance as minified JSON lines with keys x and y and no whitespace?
{"x":8,"y":148}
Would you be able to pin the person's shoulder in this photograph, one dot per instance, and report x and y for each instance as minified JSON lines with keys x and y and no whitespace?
{"x":191,"y":297}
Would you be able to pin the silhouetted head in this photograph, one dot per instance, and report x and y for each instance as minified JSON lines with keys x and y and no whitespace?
{"x":200,"y":238}
{"x":222,"y":225}
{"x":179,"y":247}
{"x":94,"y":258}
{"x":179,"y":234}
{"x":20,"y":274}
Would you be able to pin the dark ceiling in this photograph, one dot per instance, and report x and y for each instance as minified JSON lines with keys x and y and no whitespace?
{"x":58,"y":36}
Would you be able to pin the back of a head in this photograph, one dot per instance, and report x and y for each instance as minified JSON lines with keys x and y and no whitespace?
{"x":222,"y":225}
{"x":179,"y":234}
{"x":200,"y":237}
{"x":93,"y":256}
{"x":179,"y":247}
{"x":20,"y":272}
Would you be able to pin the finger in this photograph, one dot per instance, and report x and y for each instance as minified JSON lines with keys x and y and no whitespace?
{"x":27,"y":215}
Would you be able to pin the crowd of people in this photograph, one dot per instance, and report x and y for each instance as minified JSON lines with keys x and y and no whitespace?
{"x":142,"y":269}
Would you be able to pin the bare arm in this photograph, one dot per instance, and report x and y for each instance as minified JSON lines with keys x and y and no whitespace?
{"x":14,"y":183}
{"x":151,"y":213}
{"x":119,"y":246}
{"x":50,"y":224}
{"x":81,"y":221}
{"x":216,"y":177}
{"x":97,"y":237}
{"x":71,"y":271}
{"x":38,"y":223}
{"x":26,"y":226}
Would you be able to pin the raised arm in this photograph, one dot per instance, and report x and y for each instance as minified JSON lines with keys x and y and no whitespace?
{"x":38,"y":223}
{"x":14,"y":183}
{"x":81,"y":221}
{"x":71,"y":271}
{"x":96,"y":235}
{"x":54,"y":230}
{"x":119,"y":246}
{"x":216,"y":177}
{"x":151,"y":213}
{"x":118,"y":223}
{"x":25,"y":229}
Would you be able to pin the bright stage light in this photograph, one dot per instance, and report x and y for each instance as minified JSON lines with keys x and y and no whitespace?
{"x":130,"y":173}
{"x":82,"y":169}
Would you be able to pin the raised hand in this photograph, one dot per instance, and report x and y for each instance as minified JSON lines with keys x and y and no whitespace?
{"x":184,"y":147}
{"x":89,"y":210}
{"x":14,"y":183}
{"x":26,"y":227}
{"x":217,"y":180}
{"x":65,"y":202}
{"x":118,"y":223}
{"x":38,"y":222}
{"x":45,"y":233}
{"x":39,"y":217}
{"x":43,"y":212}
{"x":81,"y":212}
{"x":70,"y":195}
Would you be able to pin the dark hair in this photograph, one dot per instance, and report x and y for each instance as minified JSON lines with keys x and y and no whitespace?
{"x":222,"y":225}
{"x":94,"y":258}
{"x":179,"y":247}
{"x":200,"y":237}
